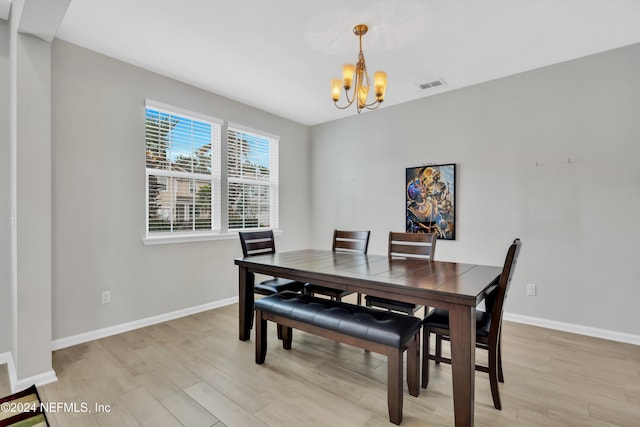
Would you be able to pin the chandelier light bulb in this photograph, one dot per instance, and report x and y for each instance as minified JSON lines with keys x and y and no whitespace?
{"x":363,"y":91}
{"x":347,"y":75}
{"x":336,"y":86}
{"x":380,"y":84}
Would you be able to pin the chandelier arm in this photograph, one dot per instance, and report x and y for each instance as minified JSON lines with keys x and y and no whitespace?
{"x":349,"y":101}
{"x":345,"y":107}
{"x":346,"y":93}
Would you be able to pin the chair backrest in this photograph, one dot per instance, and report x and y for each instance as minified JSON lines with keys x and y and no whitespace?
{"x":257,"y":242}
{"x":412,"y":245}
{"x":351,"y":241}
{"x":495,"y":300}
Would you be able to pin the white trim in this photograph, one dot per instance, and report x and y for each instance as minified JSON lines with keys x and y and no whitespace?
{"x":575,"y":329}
{"x":187,"y":238}
{"x":39,"y":380}
{"x":166,"y":239}
{"x":247,"y":129}
{"x":130,"y":326}
{"x":175,"y":174}
{"x":15,"y":385}
{"x":171,"y":109}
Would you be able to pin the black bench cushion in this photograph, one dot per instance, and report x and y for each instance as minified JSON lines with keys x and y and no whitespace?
{"x":382,"y":327}
{"x":439,"y":318}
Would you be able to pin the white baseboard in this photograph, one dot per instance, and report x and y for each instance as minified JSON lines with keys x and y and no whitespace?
{"x":573,"y":328}
{"x":130,"y":326}
{"x":38,"y":380}
{"x":18,"y":385}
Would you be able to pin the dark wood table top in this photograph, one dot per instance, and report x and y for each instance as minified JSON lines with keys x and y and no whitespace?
{"x":411,"y":280}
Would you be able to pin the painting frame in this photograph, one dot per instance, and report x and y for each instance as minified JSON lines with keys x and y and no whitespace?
{"x":430,"y":195}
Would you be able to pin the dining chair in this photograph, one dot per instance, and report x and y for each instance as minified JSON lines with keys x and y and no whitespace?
{"x":405,"y":245}
{"x":488,"y":328}
{"x":343,"y":241}
{"x":261,"y":243}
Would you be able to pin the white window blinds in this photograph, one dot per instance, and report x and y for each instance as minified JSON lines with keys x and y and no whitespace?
{"x":182,"y":171}
{"x":252,"y":171}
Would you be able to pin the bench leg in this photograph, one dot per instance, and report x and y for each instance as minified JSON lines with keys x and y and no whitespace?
{"x":394,"y":386}
{"x":413,"y":365}
{"x":261,"y":338}
{"x":287,"y":337}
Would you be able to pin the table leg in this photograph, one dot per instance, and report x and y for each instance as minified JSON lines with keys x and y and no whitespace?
{"x":245,"y":302}
{"x":462,"y":326}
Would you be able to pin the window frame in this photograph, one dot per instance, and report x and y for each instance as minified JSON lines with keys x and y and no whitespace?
{"x":273,"y":183}
{"x":171,"y":177}
{"x":220,"y":182}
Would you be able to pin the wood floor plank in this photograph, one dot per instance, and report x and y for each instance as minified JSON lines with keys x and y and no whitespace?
{"x":157,"y":384}
{"x":617,"y":413}
{"x":117,"y":416}
{"x":225,"y":409}
{"x":632,"y":393}
{"x":179,"y":375}
{"x":241,"y":393}
{"x":188,"y":411}
{"x":5,"y":385}
{"x":147,"y":410}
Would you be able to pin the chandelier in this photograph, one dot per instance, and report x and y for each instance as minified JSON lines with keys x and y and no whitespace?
{"x":362,"y":82}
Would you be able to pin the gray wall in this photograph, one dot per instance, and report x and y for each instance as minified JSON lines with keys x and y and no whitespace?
{"x":6,"y":308}
{"x":99,"y":196}
{"x":578,"y":220}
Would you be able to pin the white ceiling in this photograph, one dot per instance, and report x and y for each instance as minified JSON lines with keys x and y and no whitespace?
{"x":279,"y":55}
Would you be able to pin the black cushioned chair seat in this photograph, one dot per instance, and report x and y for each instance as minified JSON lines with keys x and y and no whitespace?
{"x":378,"y":326}
{"x":277,"y":285}
{"x":439,"y":318}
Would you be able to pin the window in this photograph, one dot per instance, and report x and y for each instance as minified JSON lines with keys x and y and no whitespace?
{"x":182,"y":172}
{"x":193,"y":193}
{"x":252,"y":171}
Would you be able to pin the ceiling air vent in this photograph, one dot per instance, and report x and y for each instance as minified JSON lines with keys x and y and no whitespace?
{"x":434,"y":83}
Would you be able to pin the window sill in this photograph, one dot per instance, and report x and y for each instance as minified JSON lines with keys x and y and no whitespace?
{"x":189,"y":238}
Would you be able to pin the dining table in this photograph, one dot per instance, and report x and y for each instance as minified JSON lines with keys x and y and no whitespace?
{"x":455,"y":286}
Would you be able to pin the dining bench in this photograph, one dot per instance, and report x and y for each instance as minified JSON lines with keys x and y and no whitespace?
{"x":371,"y":329}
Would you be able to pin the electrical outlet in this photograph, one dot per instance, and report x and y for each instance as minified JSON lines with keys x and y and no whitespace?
{"x":531,"y":289}
{"x":106,"y":297}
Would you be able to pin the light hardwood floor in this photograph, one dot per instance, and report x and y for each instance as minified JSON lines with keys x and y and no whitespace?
{"x":5,"y":388}
{"x":194,"y":371}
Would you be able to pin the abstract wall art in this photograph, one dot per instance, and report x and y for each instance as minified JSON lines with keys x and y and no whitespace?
{"x":430,"y":195}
